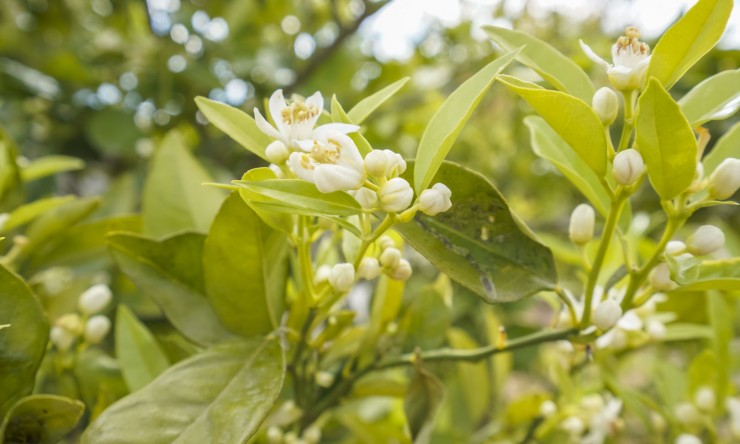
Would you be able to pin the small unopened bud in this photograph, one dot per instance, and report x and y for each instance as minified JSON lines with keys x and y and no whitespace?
{"x":628,"y":167}
{"x":687,"y":414}
{"x":547,"y":408}
{"x":573,"y":425}
{"x":369,"y":268}
{"x":70,"y":322}
{"x":582,"y":221}
{"x":390,"y":257}
{"x":385,"y":241}
{"x":435,"y":200}
{"x":95,"y":299}
{"x":401,"y":271}
{"x":384,"y":163}
{"x":342,"y":277}
{"x":395,"y":195}
{"x":687,"y":438}
{"x":655,"y":329}
{"x":367,"y":198}
{"x":607,"y":314}
{"x":674,"y":248}
{"x":725,"y":180}
{"x":705,"y":399}
{"x":660,"y":278}
{"x":321,"y":274}
{"x":274,"y":435}
{"x":61,"y":338}
{"x":324,"y":379}
{"x":96,"y":328}
{"x":276,"y":152}
{"x":606,"y":105}
{"x":706,"y":240}
{"x":312,"y":435}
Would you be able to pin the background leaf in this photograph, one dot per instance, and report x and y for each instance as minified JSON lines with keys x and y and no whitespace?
{"x":366,"y":106}
{"x":423,"y":399}
{"x":716,"y":98}
{"x":140,"y":356}
{"x":41,"y":419}
{"x":50,"y":165}
{"x":727,"y":146}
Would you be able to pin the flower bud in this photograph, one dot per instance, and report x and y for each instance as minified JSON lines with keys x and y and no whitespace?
{"x":628,"y":167}
{"x":395,"y":195}
{"x":384,"y":163}
{"x":94,"y":299}
{"x":573,"y":425}
{"x":96,"y":328}
{"x":321,"y":274}
{"x":369,"y":268}
{"x":70,"y":322}
{"x":606,"y":105}
{"x":687,"y":438}
{"x":385,"y":242}
{"x":276,"y":152}
{"x":725,"y":180}
{"x":660,"y":278}
{"x":687,"y":414}
{"x":342,"y":277}
{"x":655,"y":329}
{"x":61,"y":338}
{"x":706,"y":240}
{"x":674,"y":248}
{"x":324,"y":379}
{"x":582,"y":221}
{"x":548,"y":408}
{"x":390,"y":257}
{"x":329,"y":178}
{"x":435,"y":200}
{"x":401,"y":271}
{"x":607,"y":314}
{"x":367,"y":198}
{"x":705,"y":399}
{"x":312,"y":435}
{"x":274,"y":435}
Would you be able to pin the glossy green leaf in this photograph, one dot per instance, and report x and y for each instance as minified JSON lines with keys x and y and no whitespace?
{"x":288,"y":209}
{"x":479,"y":242}
{"x":727,"y":146}
{"x":572,"y":118}
{"x":366,"y":106}
{"x":241,"y":278}
{"x":302,"y":195}
{"x":175,"y":198}
{"x":140,"y":356}
{"x":557,"y":69}
{"x":23,"y":343}
{"x":423,"y":399}
{"x":30,"y":211}
{"x":275,"y":219}
{"x":716,"y":275}
{"x":40,"y":419}
{"x":230,"y":390}
{"x":50,"y":165}
{"x":338,"y":115}
{"x":448,"y":121}
{"x":665,"y":141}
{"x":716,"y":98}
{"x":170,"y":271}
{"x":687,"y":40}
{"x":237,"y":124}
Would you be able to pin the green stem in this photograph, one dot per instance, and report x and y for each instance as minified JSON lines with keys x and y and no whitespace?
{"x":388,"y":222}
{"x":629,"y":119}
{"x":304,"y":258}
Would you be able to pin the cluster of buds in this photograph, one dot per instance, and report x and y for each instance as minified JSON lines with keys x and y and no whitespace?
{"x":706,"y":240}
{"x":88,"y":323}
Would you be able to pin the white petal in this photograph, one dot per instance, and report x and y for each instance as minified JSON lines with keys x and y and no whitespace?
{"x":296,"y":163}
{"x":349,"y":154}
{"x":265,"y":126}
{"x":644,"y":63}
{"x":343,"y":128}
{"x":277,"y":105}
{"x":593,"y":56}
{"x":630,"y":321}
{"x":305,"y":145}
{"x":318,"y":101}
{"x":329,"y":178}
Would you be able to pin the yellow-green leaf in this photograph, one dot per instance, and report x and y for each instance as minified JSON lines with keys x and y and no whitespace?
{"x":139,"y":354}
{"x":237,"y":124}
{"x":366,"y":106}
{"x":727,"y":146}
{"x":716,"y":98}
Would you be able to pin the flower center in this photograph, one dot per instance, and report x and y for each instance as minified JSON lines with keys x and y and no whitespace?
{"x":299,"y":112}
{"x":630,"y":43}
{"x":326,"y":152}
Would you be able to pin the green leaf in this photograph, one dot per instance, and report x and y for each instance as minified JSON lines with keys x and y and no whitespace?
{"x":727,"y":146}
{"x":170,"y":271}
{"x":237,"y":124}
{"x":366,"y":106}
{"x":242,"y":278}
{"x":423,"y":399}
{"x":716,"y":275}
{"x":230,"y":390}
{"x":716,"y":98}
{"x":448,"y":121}
{"x":338,"y":115}
{"x":23,"y":343}
{"x":11,"y":187}
{"x":50,"y":165}
{"x":570,"y":117}
{"x":687,"y":40}
{"x":41,"y":419}
{"x":28,"y":212}
{"x":683,"y":331}
{"x":276,"y":220}
{"x":472,"y":378}
{"x":557,"y":69}
{"x":174,"y":196}
{"x":666,"y":141}
{"x":479,"y":242}
{"x":721,"y":316}
{"x":300,"y":194}
{"x":139,"y":354}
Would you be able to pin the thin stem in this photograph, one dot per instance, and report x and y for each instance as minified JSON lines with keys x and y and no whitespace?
{"x":388,"y":222}
{"x":629,"y":119}
{"x":304,"y":257}
{"x":568,"y":303}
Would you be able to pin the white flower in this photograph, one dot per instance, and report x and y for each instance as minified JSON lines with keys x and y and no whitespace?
{"x":333,"y":163}
{"x":706,"y":240}
{"x":628,"y":166}
{"x":369,"y":268}
{"x":367,"y":198}
{"x":395,"y":195}
{"x":401,"y":271}
{"x":342,"y":277}
{"x":295,"y":122}
{"x":630,"y":59}
{"x":435,"y":200}
{"x":725,"y":180}
{"x":384,"y":163}
{"x":276,"y":152}
{"x":605,"y":104}
{"x":548,"y":408}
{"x":94,"y":299}
{"x":581,"y":229}
{"x":607,"y":314}
{"x":96,"y":328}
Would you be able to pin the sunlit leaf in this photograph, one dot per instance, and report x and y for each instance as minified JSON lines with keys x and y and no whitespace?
{"x":50,"y":165}
{"x":366,"y":106}
{"x":140,"y":356}
{"x":727,"y":146}
{"x":716,"y":98}
{"x":300,"y":194}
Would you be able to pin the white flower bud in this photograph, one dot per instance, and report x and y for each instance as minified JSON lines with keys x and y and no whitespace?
{"x":686,"y":438}
{"x":606,"y":105}
{"x":369,"y":268}
{"x":628,"y":167}
{"x":330,"y":178}
{"x":548,"y":408}
{"x":342,"y":277}
{"x":706,"y":240}
{"x":324,"y":379}
{"x":390,"y":257}
{"x":276,"y":152}
{"x":96,"y":328}
{"x":61,"y":338}
{"x":687,"y":414}
{"x":607,"y":314}
{"x":582,"y":221}
{"x":705,"y":399}
{"x":385,"y":241}
{"x":395,"y":195}
{"x":274,"y":435}
{"x":401,"y":271}
{"x":674,"y":248}
{"x":312,"y":435}
{"x":660,"y":278}
{"x":321,"y":274}
{"x":435,"y":200}
{"x":655,"y":329}
{"x":95,"y":299}
{"x":367,"y":198}
{"x":573,"y":425}
{"x":70,"y":322}
{"x":384,"y":163}
{"x":725,"y":180}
